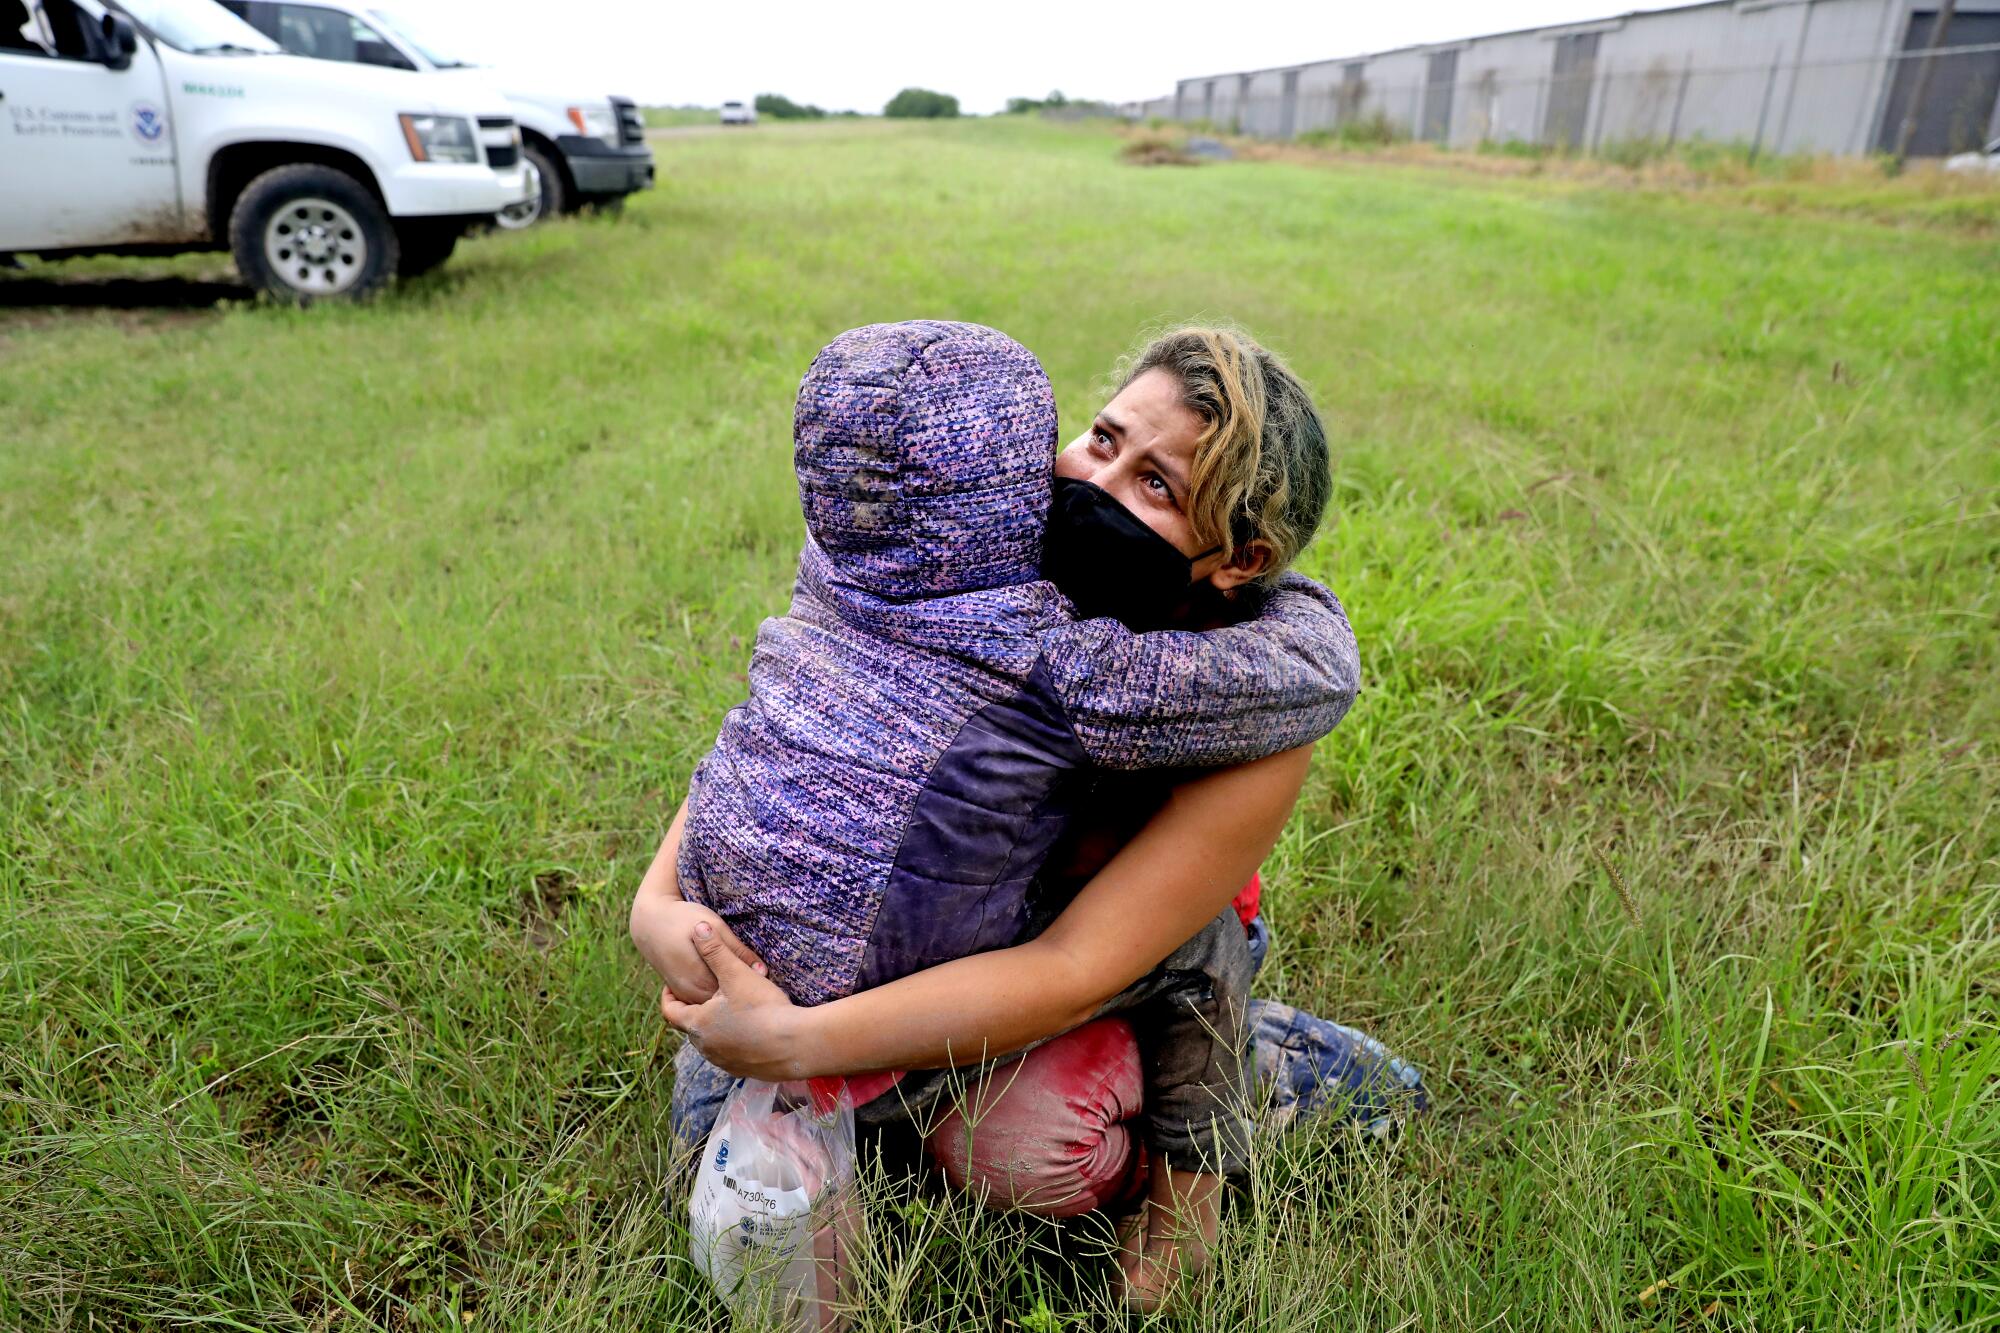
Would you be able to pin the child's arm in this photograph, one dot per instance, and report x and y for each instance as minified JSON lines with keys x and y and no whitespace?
{"x":663,"y":922}
{"x":1187,"y":699}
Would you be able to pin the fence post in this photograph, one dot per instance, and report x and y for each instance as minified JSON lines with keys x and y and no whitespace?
{"x":1792,"y":88}
{"x":1603,"y":107}
{"x":1922,"y":86}
{"x":1764,"y":111}
{"x":1680,"y":100}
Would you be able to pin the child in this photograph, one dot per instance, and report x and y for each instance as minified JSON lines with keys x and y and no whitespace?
{"x":921,"y":721}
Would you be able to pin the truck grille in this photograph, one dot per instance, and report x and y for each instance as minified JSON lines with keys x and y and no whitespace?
{"x":631,"y":125}
{"x":501,"y":140}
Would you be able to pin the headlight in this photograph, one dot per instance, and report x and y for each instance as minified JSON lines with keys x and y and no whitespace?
{"x":440,"y":138}
{"x":599,"y":122}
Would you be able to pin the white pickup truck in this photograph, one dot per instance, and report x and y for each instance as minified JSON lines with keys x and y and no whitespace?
{"x":161,"y":126}
{"x":584,"y":149}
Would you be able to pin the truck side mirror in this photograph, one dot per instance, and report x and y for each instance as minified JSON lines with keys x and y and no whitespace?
{"x":117,"y":41}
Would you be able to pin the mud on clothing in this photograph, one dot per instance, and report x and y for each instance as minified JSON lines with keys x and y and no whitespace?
{"x":1068,"y":1126}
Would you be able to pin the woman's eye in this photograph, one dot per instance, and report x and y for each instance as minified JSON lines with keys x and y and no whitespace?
{"x":1159,"y":487}
{"x":1101,"y":438}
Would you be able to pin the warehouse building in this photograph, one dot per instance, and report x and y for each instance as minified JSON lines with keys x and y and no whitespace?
{"x":1831,"y":76}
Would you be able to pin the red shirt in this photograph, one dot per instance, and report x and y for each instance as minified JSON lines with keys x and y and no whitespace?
{"x":1245,"y":902}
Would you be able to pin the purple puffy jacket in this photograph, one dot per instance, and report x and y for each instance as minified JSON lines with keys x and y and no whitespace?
{"x":918,"y":720}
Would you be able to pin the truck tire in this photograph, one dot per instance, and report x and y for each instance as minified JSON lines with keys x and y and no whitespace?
{"x":424,"y":247}
{"x":553,"y":200}
{"x":307,"y":233}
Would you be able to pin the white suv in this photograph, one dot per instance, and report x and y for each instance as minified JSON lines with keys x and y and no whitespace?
{"x":738,"y":113}
{"x":582,"y":149}
{"x":160,"y":126}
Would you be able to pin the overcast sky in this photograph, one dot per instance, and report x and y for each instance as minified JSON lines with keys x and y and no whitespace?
{"x":858,"y":53}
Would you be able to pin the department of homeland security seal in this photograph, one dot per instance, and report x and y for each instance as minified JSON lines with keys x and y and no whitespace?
{"x":149,"y":123}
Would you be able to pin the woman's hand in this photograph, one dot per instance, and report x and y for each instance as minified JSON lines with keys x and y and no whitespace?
{"x":748,"y":1027}
{"x":1165,"y":885}
{"x":680,"y":964}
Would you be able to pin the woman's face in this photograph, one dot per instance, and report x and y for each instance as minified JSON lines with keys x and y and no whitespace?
{"x":1140,"y":449}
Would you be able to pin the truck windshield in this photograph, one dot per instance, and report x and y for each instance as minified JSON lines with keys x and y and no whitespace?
{"x":439,"y":53}
{"x":200,"y":27}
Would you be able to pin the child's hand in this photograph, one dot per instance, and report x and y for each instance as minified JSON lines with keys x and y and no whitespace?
{"x":675,"y":956}
{"x":749,"y":1027}
{"x":663,"y":924}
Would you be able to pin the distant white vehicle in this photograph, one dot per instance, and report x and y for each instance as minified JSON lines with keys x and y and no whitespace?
{"x":164,"y":126}
{"x":1986,"y":159}
{"x":579,"y":148}
{"x":738,"y":113}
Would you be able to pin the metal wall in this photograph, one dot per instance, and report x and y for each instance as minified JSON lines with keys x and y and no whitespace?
{"x":1963,"y":101}
{"x":1784,"y":75}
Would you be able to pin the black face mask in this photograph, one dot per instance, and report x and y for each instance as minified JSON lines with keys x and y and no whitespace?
{"x":1110,"y":563}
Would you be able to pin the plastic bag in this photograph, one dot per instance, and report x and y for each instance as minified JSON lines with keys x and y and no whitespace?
{"x":773,"y":1214}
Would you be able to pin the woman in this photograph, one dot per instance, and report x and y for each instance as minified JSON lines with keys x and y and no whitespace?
{"x":1194,"y":487}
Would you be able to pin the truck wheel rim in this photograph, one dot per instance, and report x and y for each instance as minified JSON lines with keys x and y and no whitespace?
{"x":516,"y":216}
{"x":316,"y":246}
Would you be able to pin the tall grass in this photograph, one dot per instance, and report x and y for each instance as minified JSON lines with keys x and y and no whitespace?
{"x":1713,"y":172}
{"x":352,"y":661}
{"x":1370,"y":131}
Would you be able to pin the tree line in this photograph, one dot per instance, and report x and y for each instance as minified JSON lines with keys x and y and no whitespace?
{"x":909,"y":104}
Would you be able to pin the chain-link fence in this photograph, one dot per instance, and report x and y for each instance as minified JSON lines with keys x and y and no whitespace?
{"x":1586,"y":105}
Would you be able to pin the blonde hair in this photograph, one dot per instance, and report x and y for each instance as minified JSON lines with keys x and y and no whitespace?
{"x":1260,"y":464}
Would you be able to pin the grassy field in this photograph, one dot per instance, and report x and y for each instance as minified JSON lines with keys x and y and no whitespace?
{"x":675,"y":117}
{"x":1721,"y":174}
{"x":353,"y":660}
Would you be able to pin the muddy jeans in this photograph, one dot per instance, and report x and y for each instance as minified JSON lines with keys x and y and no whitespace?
{"x":1184,"y":1058}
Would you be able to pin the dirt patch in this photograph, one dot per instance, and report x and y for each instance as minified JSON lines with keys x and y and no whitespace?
{"x":15,"y":329}
{"x":543,"y":905}
{"x":142,"y":294}
{"x":1157,"y":150}
{"x":276,"y":1115}
{"x":137,"y":305}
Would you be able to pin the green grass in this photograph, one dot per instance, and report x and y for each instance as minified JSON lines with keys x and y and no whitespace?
{"x":353,"y":660}
{"x":1714,"y":174}
{"x":669,"y":117}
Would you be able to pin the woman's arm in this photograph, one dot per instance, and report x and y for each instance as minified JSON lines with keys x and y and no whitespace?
{"x":1153,"y":896}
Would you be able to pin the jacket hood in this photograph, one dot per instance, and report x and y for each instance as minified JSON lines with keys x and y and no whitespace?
{"x":924,"y":451}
